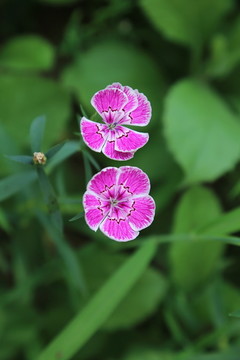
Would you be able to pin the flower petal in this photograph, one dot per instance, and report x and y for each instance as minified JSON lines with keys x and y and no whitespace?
{"x":118,"y":230}
{"x":90,"y":201}
{"x":104,"y":179}
{"x":94,"y":217}
{"x":94,"y":134}
{"x":109,"y":150}
{"x":109,"y":99}
{"x":134,"y":179}
{"x":143,"y":214}
{"x":129,"y":140}
{"x":131,"y":95}
{"x":142,"y":114}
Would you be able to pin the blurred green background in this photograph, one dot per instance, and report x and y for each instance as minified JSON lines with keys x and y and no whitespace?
{"x":172,"y":301}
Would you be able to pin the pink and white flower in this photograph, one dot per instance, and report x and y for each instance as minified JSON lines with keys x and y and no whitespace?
{"x":117,"y":105}
{"x":117,"y":202}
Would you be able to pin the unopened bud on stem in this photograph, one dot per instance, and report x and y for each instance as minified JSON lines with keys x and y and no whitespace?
{"x":39,"y":158}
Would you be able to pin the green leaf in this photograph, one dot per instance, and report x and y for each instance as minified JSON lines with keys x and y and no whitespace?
{"x":54,"y":150}
{"x":78,"y":216}
{"x":92,"y":160}
{"x":148,"y":291}
{"x":14,"y":183}
{"x":235,"y":314}
{"x":75,"y":275}
{"x":185,"y":21}
{"x":23,"y":159}
{"x":226,"y":223}
{"x":87,"y":168}
{"x":27,"y":52}
{"x":90,"y":319}
{"x":116,"y":61}
{"x":68,"y":149}
{"x":31,"y":96}
{"x":201,"y":131}
{"x":187,"y":259}
{"x":37,"y":129}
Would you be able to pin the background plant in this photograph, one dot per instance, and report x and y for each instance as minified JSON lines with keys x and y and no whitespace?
{"x":168,"y":294}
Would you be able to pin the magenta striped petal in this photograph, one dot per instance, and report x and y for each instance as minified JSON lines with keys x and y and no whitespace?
{"x":143,"y":214}
{"x":106,"y":178}
{"x":94,"y":134}
{"x":106,"y":99}
{"x":129,"y":140}
{"x":117,"y":105}
{"x":117,"y":202}
{"x":118,"y":230}
{"x":142,"y":114}
{"x":109,"y":150}
{"x":134,"y":179}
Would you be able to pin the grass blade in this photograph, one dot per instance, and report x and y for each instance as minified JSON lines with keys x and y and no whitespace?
{"x":95,"y":313}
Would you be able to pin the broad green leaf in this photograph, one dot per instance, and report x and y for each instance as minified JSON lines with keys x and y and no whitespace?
{"x":201,"y":131}
{"x":90,"y":319}
{"x":224,"y":51}
{"x":27,"y":52}
{"x":32,"y":96}
{"x":12,"y":184}
{"x":193,"y":263}
{"x":37,"y":129}
{"x":186,"y":21}
{"x":226,"y":223}
{"x":23,"y":159}
{"x":108,"y":62}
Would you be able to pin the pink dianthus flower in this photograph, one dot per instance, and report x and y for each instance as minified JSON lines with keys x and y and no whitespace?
{"x":117,"y":105}
{"x":117,"y":201}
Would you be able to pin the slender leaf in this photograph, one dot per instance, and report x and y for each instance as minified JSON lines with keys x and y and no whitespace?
{"x":36,"y":133}
{"x":72,"y":265}
{"x":14,"y":183}
{"x":78,"y":216}
{"x":68,"y":149}
{"x":24,"y":159}
{"x":235,"y":314}
{"x":92,"y":160}
{"x":87,"y":168}
{"x":51,"y":152}
{"x":96,"y":312}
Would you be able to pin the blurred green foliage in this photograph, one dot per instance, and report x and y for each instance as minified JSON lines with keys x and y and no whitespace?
{"x":75,"y":294}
